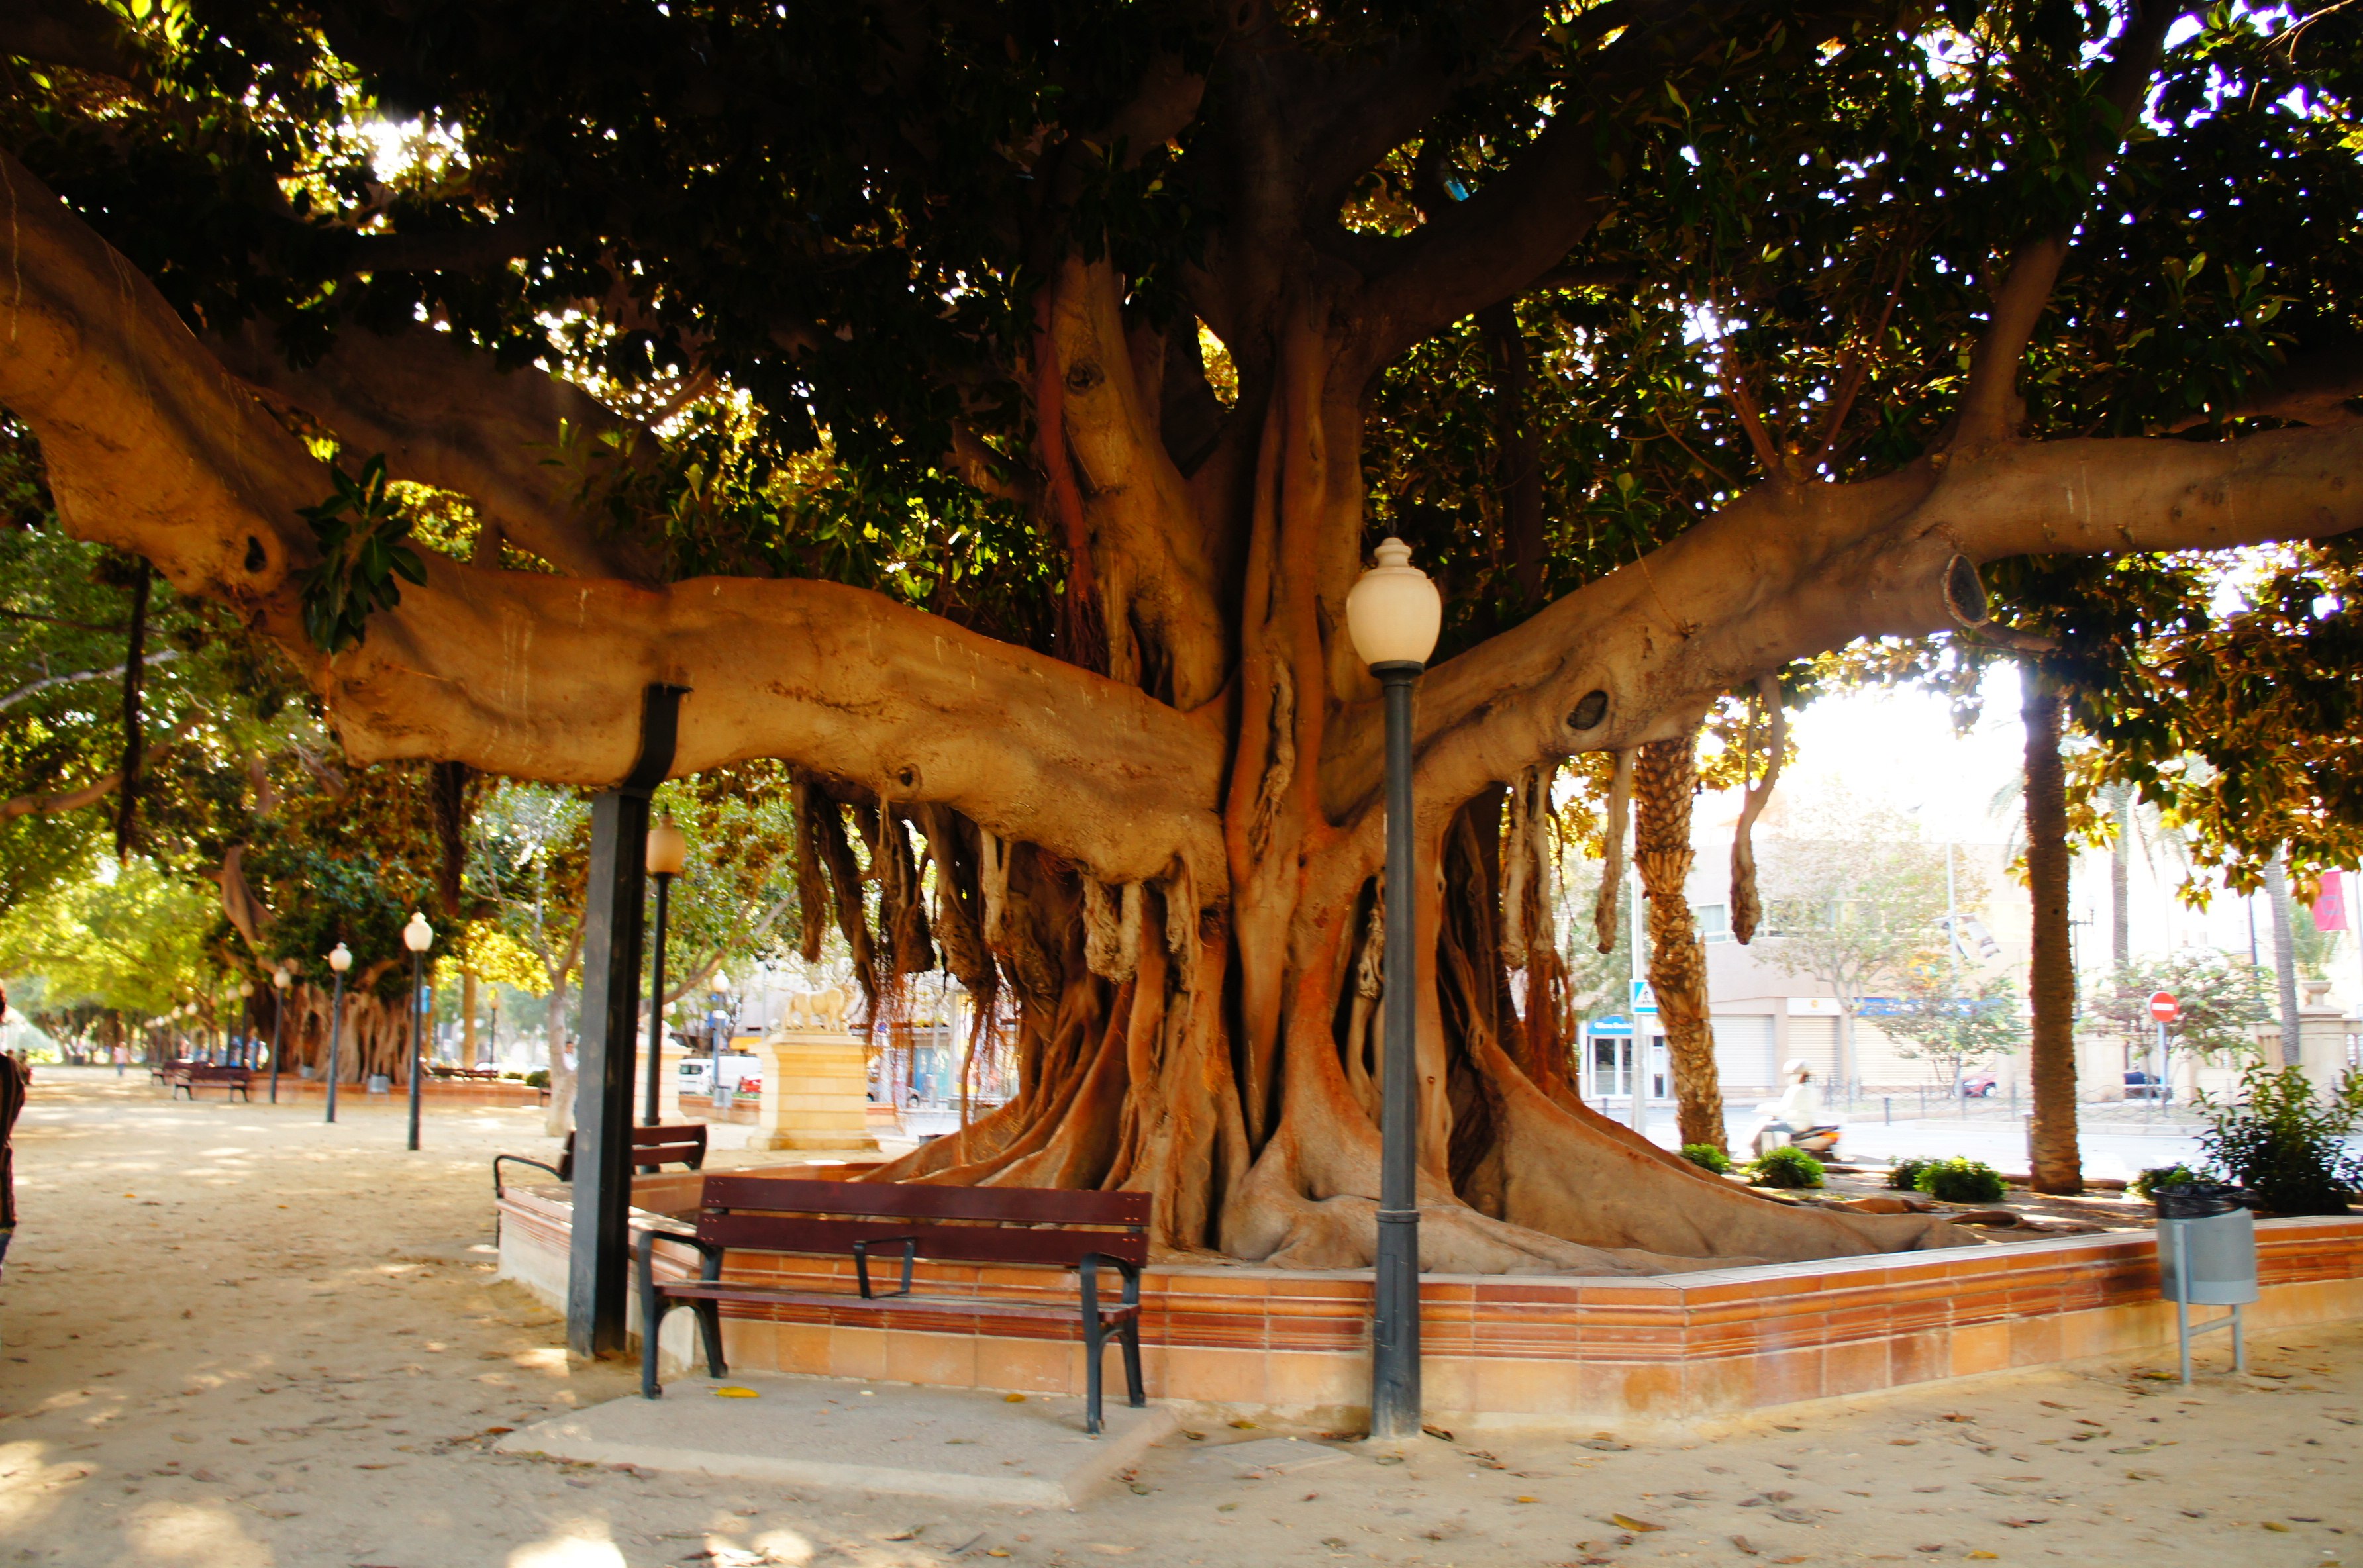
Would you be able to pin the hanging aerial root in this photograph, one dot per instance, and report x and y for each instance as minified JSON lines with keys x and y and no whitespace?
{"x":1747,"y":908}
{"x":1612,"y":868}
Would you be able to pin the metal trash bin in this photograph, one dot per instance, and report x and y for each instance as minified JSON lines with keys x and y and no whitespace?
{"x":2207,"y":1257}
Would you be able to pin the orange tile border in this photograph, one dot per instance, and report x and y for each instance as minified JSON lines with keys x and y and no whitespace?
{"x":1721,"y":1340}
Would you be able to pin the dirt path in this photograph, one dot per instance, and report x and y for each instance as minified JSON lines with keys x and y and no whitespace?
{"x":234,"y":1337}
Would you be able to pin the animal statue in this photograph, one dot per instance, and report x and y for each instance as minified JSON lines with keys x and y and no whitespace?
{"x":820,"y":1010}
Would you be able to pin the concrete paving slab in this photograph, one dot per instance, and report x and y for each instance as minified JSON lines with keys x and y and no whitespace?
{"x":1268,"y":1457}
{"x":963,"y":1444}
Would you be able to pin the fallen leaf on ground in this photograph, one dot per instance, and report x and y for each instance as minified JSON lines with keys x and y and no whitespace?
{"x":1013,"y":1398}
{"x":2022,"y":1524}
{"x":2276,"y":1525}
{"x":1625,"y":1521}
{"x":1747,"y":1547}
{"x":731,"y":1391}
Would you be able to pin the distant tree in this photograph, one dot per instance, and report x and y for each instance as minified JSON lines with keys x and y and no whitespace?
{"x":1853,"y":900}
{"x":1954,"y":1019}
{"x":2220,"y":997}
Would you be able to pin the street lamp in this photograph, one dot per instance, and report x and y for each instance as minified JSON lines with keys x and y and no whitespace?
{"x":281,"y":978}
{"x":1394,"y":615}
{"x":668,"y":851}
{"x":418,"y":936}
{"x":341,"y":958}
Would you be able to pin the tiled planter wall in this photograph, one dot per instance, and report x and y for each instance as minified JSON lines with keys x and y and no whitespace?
{"x":1522,"y":1348}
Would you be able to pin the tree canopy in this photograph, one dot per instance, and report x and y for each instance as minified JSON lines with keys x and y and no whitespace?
{"x":985,"y":411}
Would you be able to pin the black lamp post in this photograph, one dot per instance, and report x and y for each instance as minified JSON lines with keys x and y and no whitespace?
{"x":1394,"y":615}
{"x":341,"y":958}
{"x":418,"y":936}
{"x":281,"y":978}
{"x":243,"y":1055}
{"x":668,"y":852}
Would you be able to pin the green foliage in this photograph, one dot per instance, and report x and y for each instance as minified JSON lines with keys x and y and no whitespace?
{"x":1785,"y":1166}
{"x":133,"y":938}
{"x":1852,"y":897}
{"x":1959,"y":1180}
{"x":2146,"y":1185}
{"x":1904,"y":1174}
{"x":2220,"y":997}
{"x":1706,"y":1156}
{"x":1954,"y":1019}
{"x":361,"y":555}
{"x":538,"y":1078}
{"x":2286,"y":1143}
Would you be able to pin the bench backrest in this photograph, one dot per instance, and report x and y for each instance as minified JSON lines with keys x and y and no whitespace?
{"x":683,"y":1145}
{"x":955,"y":1224}
{"x":217,"y":1072}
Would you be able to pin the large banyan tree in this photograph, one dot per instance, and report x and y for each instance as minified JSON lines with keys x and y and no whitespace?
{"x":986,"y":408}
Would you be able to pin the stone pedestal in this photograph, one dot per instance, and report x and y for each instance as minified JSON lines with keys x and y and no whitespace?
{"x":2321,"y":1040}
{"x":815,"y":1092}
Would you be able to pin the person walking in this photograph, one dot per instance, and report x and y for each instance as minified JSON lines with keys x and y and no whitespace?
{"x":122,"y":1058}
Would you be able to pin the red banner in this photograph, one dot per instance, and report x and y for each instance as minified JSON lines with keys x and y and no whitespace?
{"x":2330,"y":908}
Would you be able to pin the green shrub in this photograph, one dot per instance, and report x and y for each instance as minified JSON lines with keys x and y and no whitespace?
{"x":2147,"y":1184}
{"x":1960,"y":1180}
{"x":1785,"y":1166}
{"x":2284,"y":1144}
{"x":1707,"y":1157}
{"x":1906,"y":1177}
{"x":538,"y":1078}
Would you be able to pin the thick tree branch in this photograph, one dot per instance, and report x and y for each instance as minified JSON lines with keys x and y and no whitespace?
{"x":1149,"y":545}
{"x":445,"y":416}
{"x":1788,"y":571}
{"x":1987,"y":408}
{"x":538,"y":677}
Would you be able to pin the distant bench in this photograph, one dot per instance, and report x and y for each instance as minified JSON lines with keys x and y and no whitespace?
{"x":188,"y":1078}
{"x":1080,"y":1231}
{"x":653,"y":1148}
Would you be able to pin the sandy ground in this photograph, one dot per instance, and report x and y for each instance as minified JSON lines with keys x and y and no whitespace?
{"x":236,"y":1337}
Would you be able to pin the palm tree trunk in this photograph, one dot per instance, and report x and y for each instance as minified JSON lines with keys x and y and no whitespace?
{"x":2051,"y":976}
{"x":1665,"y":777}
{"x":2277,"y":891}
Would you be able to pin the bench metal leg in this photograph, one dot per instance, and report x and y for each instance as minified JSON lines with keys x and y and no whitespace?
{"x":709,"y":1328}
{"x":652,"y":1311}
{"x":1095,"y":1344}
{"x":1130,"y":1334}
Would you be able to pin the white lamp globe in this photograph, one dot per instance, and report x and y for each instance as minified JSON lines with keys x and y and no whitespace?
{"x":341,"y":958}
{"x":418,"y":936}
{"x":282,"y":977}
{"x":1394,"y":612}
{"x":245,"y":988}
{"x":668,"y":848}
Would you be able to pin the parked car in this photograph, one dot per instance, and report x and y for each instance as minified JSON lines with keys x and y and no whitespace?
{"x":1979,"y":1087}
{"x":2146,"y":1086}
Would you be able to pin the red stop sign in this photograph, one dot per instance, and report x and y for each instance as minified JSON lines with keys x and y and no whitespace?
{"x":2164,"y":1008}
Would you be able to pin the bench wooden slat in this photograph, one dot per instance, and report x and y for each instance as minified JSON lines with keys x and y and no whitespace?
{"x":1008,"y":1205}
{"x":949,"y":1243}
{"x":943,"y":1306}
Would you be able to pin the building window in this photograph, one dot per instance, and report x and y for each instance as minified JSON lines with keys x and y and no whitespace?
{"x":1714,"y":922}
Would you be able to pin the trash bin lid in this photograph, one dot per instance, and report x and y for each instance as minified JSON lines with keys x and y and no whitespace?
{"x":2198,"y":1200}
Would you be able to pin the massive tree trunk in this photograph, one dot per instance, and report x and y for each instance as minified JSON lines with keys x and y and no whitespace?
{"x":1166,"y":846}
{"x":1664,"y":779}
{"x":2051,"y":971}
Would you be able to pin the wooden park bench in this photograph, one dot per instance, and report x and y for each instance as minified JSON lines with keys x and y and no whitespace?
{"x":653,"y":1148}
{"x":188,"y":1078}
{"x":1080,"y":1231}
